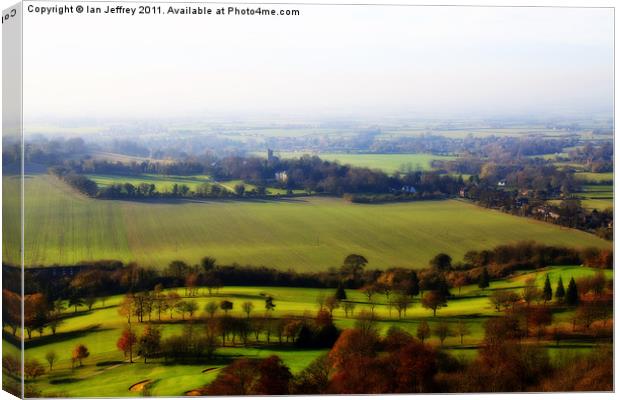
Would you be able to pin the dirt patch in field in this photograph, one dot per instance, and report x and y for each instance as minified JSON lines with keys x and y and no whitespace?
{"x":139,"y":386}
{"x":194,"y":392}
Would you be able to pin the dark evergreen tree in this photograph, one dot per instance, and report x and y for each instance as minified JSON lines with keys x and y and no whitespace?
{"x":443,"y":287}
{"x":305,"y":338}
{"x":547,"y":292}
{"x":341,"y":294}
{"x":441,"y":261}
{"x":559,"y":291}
{"x":412,"y":285}
{"x":572,"y":295}
{"x":483,"y":282}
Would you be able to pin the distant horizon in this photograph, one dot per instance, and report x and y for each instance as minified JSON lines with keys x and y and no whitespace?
{"x":309,"y":117}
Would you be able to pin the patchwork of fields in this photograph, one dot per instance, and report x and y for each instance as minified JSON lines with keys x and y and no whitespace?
{"x":105,"y":372}
{"x":63,"y":227}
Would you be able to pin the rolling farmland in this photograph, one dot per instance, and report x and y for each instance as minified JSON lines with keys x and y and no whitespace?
{"x":301,"y":233}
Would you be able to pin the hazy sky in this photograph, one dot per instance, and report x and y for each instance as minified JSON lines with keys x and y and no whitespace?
{"x":332,"y":59}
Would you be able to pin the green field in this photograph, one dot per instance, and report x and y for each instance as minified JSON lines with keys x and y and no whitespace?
{"x":105,"y":371}
{"x":595,"y":176}
{"x":311,"y":233}
{"x":600,"y":197}
{"x":164,"y":183}
{"x":461,"y":131}
{"x":387,"y":162}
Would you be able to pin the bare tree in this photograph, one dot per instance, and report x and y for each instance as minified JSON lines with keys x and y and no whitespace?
{"x":348,"y":307}
{"x":247,"y":308}
{"x":442,"y":330}
{"x":462,"y":330}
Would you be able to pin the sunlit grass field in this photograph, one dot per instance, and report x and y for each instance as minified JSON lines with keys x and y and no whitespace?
{"x":105,"y":371}
{"x":387,"y":162}
{"x":600,"y":197}
{"x":595,"y":176}
{"x":310,"y":233}
{"x":163,"y":183}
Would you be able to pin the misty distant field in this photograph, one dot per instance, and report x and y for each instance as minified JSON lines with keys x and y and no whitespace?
{"x":63,"y":227}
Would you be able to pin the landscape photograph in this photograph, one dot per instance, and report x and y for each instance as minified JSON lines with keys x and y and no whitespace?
{"x":325,"y":199}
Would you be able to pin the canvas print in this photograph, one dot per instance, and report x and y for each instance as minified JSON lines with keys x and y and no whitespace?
{"x":306,"y":199}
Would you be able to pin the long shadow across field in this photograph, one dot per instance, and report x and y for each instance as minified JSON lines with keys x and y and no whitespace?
{"x":48,"y":339}
{"x":162,"y":200}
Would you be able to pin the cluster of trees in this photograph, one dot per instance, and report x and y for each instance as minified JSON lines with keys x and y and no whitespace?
{"x":524,"y":186}
{"x":42,"y":151}
{"x":363,"y":362}
{"x":500,"y":148}
{"x":33,"y":368}
{"x":359,"y":362}
{"x":79,"y":182}
{"x":220,"y":327}
{"x":567,"y":212}
{"x":530,"y":255}
{"x":530,"y":310}
{"x":89,"y":282}
{"x":481,"y":266}
{"x":93,"y":166}
{"x":391,"y":197}
{"x":245,"y":376}
{"x":596,"y":158}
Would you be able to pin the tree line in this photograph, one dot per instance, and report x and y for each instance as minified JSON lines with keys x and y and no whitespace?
{"x":44,"y":297}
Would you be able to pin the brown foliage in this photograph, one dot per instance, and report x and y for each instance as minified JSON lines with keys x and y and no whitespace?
{"x":79,"y":353}
{"x":593,"y":372}
{"x":252,"y":377}
{"x":408,"y":367}
{"x":504,"y":367}
{"x":33,"y":369}
{"x":434,"y":300}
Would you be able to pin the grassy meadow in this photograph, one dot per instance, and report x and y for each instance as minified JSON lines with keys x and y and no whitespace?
{"x":164,"y":183}
{"x":311,"y":233}
{"x":600,"y":197}
{"x":106,"y":371}
{"x":595,"y":176}
{"x":387,"y":162}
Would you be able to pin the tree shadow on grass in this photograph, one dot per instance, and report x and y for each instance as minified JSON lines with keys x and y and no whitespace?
{"x":257,"y":200}
{"x":223,"y":296}
{"x":48,"y":339}
{"x":81,"y":313}
{"x":11,"y":339}
{"x":453,"y":318}
{"x":64,"y":381}
{"x":108,"y":363}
